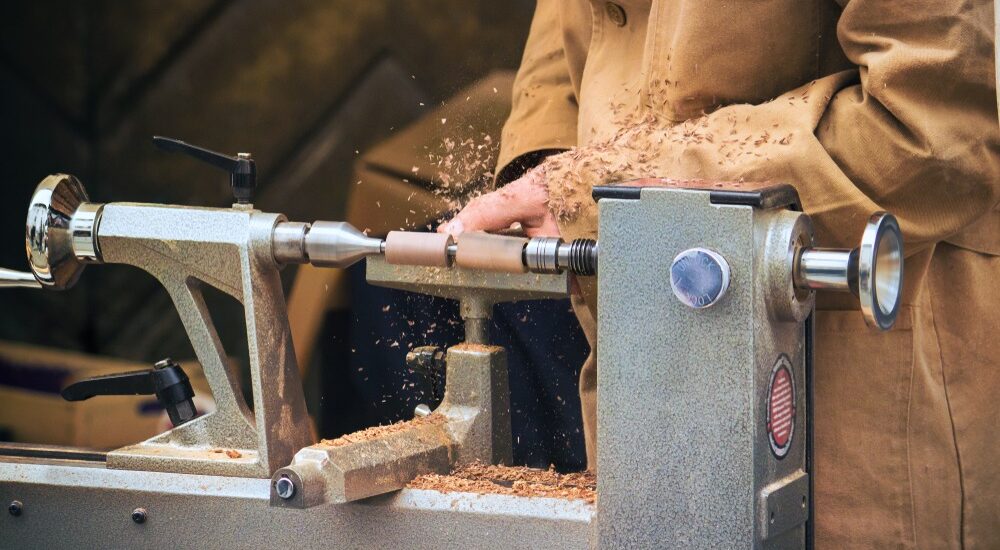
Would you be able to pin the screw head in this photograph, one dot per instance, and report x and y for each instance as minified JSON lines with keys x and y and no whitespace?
{"x":139,"y":515}
{"x":15,"y":508}
{"x":421,"y":410}
{"x":285,"y":487}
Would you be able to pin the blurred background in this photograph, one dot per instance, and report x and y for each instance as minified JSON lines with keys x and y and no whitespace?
{"x":385,"y":113}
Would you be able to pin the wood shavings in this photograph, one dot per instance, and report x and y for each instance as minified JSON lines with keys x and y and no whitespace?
{"x":231,"y":453}
{"x":512,"y":480}
{"x":377,"y":432}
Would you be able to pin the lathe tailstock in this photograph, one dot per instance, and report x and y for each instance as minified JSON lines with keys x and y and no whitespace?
{"x":706,"y":294}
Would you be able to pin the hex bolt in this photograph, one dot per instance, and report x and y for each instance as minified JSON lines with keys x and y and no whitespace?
{"x":284,"y":487}
{"x":15,"y":508}
{"x":139,"y":515}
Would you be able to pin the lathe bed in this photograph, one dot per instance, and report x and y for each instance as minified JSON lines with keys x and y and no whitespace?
{"x":67,"y":502}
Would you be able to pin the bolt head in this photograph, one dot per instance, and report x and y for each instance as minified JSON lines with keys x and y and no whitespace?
{"x":285,"y":487}
{"x":139,"y":515}
{"x":15,"y":508}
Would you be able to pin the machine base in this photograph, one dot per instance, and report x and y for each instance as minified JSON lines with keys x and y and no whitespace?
{"x":69,"y":503}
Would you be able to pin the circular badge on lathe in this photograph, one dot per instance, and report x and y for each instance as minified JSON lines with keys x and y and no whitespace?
{"x":781,"y":407}
{"x":699,"y":277}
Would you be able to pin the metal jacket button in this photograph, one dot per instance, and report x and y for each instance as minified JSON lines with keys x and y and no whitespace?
{"x":615,"y":13}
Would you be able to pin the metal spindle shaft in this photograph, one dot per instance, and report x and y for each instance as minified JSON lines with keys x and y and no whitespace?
{"x":17,"y":279}
{"x":825,"y":269}
{"x":873,"y":272}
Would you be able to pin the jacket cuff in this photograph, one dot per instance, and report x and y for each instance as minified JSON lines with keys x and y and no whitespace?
{"x":521,"y":164}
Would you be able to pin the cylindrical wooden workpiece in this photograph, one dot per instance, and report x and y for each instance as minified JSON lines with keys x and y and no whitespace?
{"x":491,"y":252}
{"x":414,"y":248}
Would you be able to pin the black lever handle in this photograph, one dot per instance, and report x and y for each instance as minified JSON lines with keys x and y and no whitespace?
{"x":166,"y":380}
{"x":241,"y":168}
{"x":430,"y":362}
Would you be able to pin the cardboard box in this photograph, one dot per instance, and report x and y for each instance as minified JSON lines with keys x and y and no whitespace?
{"x":32,"y":411}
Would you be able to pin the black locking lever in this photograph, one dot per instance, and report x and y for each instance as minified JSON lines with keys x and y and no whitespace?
{"x":166,"y":379}
{"x":430,"y":362}
{"x":241,"y":168}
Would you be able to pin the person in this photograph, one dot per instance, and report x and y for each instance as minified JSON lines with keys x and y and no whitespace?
{"x":862,"y":106}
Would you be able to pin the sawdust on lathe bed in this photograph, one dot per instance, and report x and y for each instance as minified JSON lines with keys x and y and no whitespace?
{"x":512,"y":480}
{"x":377,"y":432}
{"x":469,"y":346}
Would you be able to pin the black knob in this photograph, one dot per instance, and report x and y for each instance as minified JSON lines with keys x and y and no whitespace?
{"x":166,"y":380}
{"x":139,"y":515}
{"x":241,"y":168}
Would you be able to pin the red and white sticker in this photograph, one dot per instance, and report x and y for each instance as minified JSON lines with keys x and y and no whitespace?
{"x":781,"y":407}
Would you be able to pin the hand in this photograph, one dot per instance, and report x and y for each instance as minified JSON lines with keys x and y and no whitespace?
{"x":524,"y":200}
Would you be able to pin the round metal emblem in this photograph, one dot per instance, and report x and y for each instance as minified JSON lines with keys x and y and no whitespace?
{"x":699,"y":277}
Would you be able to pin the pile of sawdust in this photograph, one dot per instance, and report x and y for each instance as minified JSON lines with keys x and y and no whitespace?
{"x":377,"y":432}
{"x":512,"y":480}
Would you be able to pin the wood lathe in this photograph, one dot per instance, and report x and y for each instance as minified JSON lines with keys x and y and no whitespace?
{"x":705,"y":299}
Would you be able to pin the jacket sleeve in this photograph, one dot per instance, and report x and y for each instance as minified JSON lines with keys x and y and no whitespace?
{"x":543,"y":107}
{"x":913,"y":130}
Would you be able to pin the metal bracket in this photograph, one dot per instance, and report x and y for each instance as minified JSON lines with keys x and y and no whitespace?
{"x":476,"y":291}
{"x":230,"y":250}
{"x":473,"y":419}
{"x":784,"y":504}
{"x":471,"y":424}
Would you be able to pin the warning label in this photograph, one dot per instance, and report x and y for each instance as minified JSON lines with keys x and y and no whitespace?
{"x":781,"y":407}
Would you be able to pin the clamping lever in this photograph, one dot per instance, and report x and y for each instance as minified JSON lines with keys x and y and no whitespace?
{"x":430,"y":362}
{"x":241,"y":168}
{"x":166,"y":379}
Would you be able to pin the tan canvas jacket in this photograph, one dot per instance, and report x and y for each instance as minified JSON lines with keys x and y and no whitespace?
{"x":863,"y":105}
